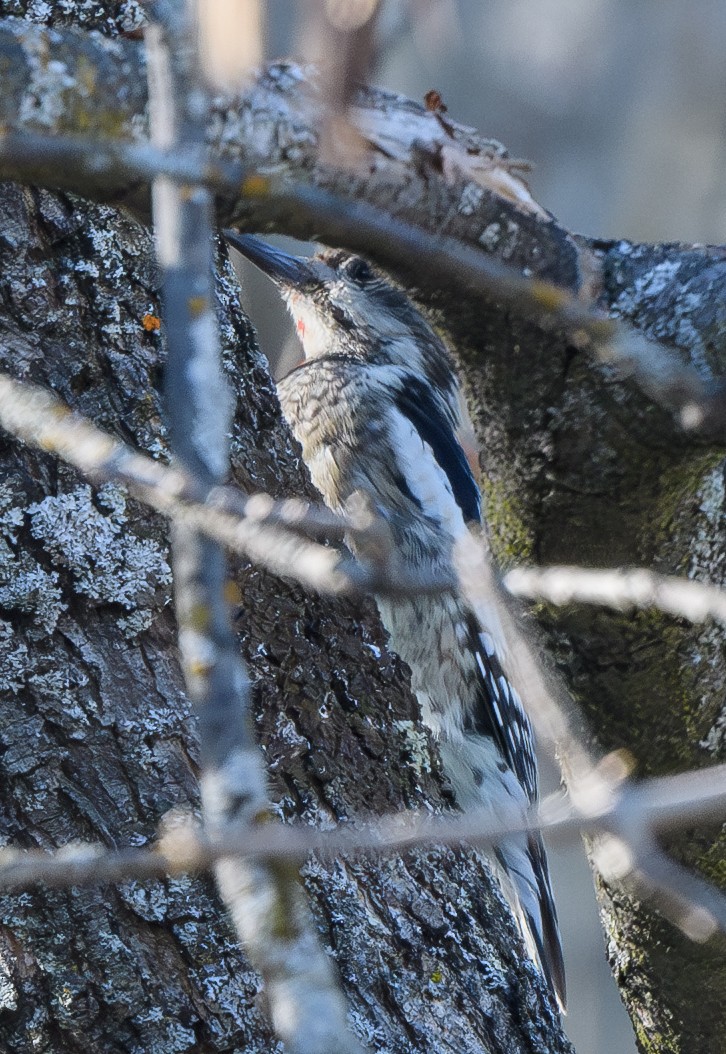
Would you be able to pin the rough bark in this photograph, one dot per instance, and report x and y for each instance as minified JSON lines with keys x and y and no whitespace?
{"x":97,"y":737}
{"x":578,"y":466}
{"x":98,"y":742}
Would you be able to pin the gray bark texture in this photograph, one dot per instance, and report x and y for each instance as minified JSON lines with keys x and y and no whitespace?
{"x":97,"y":740}
{"x":577,"y":466}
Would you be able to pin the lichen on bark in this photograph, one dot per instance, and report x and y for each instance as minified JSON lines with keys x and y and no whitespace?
{"x":98,"y":742}
{"x":578,"y":466}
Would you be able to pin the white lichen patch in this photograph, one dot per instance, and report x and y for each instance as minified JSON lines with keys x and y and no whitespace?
{"x":500,"y":238}
{"x":149,"y":901}
{"x":658,"y":279}
{"x":135,"y":622}
{"x":687,"y":333}
{"x":491,"y":236}
{"x":104,"y":238}
{"x":470,"y":199}
{"x":150,"y":729}
{"x":13,"y":660}
{"x":59,"y":690}
{"x":39,"y":10}
{"x":92,"y":540}
{"x":707,"y":563}
{"x":646,"y":287}
{"x":128,"y":16}
{"x":25,"y":586}
{"x":715,"y":738}
{"x":44,"y":100}
{"x":8,"y":991}
{"x":224,"y":992}
{"x":707,"y":555}
{"x":11,"y":513}
{"x":417,"y":744}
{"x":295,"y":743}
{"x":176,"y":1038}
{"x":680,"y":323}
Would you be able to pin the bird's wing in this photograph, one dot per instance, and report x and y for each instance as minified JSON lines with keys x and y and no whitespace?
{"x":501,"y":715}
{"x":417,"y":401}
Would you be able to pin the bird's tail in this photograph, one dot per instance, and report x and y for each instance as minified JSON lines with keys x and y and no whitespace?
{"x":524,"y":862}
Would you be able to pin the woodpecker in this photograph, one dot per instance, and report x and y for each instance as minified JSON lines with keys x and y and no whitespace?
{"x":375,"y":407}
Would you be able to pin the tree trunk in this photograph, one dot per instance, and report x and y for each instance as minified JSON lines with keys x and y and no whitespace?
{"x":98,"y":742}
{"x":578,"y":466}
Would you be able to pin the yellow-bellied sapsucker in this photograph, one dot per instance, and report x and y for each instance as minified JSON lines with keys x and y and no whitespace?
{"x":375,"y":407}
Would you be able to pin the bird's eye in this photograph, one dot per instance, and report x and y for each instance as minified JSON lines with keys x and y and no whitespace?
{"x":340,"y":316}
{"x":358,"y":270}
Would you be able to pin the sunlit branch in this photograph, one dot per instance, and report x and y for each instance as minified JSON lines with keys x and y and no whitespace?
{"x":289,"y":190}
{"x":624,"y":829}
{"x":621,"y":589}
{"x":593,"y":785}
{"x":268,"y":532}
{"x":75,"y":162}
{"x":267,"y":905}
{"x":436,"y":260}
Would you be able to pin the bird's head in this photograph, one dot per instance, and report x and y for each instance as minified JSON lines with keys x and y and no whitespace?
{"x":342,"y":306}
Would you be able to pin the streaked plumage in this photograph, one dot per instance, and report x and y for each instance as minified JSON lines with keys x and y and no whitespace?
{"x":375,"y":408}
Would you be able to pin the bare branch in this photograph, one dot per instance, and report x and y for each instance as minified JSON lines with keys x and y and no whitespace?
{"x":620,"y":589}
{"x":625,"y":850}
{"x":231,"y":44}
{"x":38,"y":417}
{"x":695,"y":906}
{"x":339,"y":37}
{"x":436,"y":260}
{"x":546,"y":700}
{"x":73,"y":160}
{"x":594,"y":788}
{"x":267,"y":905}
{"x":696,"y":403}
{"x":290,"y":186}
{"x":445,"y":167}
{"x":256,"y":526}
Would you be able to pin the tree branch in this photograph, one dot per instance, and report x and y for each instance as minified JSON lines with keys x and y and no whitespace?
{"x":623,"y":590}
{"x":267,"y":905}
{"x":255,"y":526}
{"x":624,"y":828}
{"x":566,"y":446}
{"x":276,"y":173}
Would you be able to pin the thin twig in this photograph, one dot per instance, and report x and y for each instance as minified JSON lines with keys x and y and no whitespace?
{"x":37,"y":157}
{"x":266,"y":531}
{"x":624,"y":590}
{"x":624,"y":829}
{"x":246,"y":524}
{"x":36,"y":416}
{"x":277,"y":196}
{"x":340,"y":38}
{"x":545,"y":699}
{"x":593,"y":786}
{"x":266,"y":904}
{"x":699,"y":404}
{"x":436,"y":260}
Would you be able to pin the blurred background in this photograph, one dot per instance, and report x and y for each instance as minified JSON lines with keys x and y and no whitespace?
{"x":619,"y":105}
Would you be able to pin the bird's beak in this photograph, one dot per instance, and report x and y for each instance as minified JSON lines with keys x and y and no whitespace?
{"x":285,"y":270}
